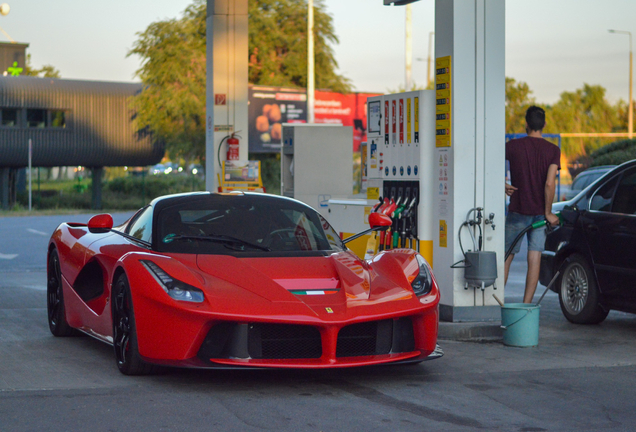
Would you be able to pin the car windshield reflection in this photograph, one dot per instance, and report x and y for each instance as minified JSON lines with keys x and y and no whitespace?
{"x":236,"y":224}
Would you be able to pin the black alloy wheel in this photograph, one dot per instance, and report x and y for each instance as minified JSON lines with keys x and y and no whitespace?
{"x":55,"y":299}
{"x":578,"y":293}
{"x":127,"y":354}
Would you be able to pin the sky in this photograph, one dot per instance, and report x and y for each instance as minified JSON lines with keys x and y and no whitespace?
{"x":554,"y":46}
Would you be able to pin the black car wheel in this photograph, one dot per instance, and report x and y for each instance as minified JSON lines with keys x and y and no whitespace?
{"x":127,"y":355}
{"x":578,"y":293}
{"x":55,"y":299}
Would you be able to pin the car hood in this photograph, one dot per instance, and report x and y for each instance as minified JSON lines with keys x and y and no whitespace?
{"x":331,"y":285}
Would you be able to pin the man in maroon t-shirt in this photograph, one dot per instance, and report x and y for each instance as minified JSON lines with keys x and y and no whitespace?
{"x":534,"y":163}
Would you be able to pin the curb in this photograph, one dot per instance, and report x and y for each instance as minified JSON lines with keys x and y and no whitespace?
{"x":486,"y":331}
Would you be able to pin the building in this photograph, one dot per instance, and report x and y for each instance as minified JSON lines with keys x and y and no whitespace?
{"x":69,"y":122}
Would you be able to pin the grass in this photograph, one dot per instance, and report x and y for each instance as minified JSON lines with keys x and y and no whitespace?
{"x":118,"y":194}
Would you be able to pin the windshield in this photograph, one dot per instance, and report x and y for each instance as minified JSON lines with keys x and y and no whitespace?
{"x":258,"y":225}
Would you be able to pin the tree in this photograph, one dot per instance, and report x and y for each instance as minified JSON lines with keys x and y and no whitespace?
{"x":47,"y":71}
{"x":278,"y":45}
{"x":518,"y":101}
{"x":615,"y":153}
{"x":173,"y":54}
{"x":172,"y":103}
{"x":584,"y":110}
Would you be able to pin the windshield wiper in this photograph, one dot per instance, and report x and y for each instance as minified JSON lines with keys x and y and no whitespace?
{"x":228,"y":240}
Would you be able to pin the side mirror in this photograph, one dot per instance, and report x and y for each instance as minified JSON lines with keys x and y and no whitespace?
{"x":100,"y":223}
{"x":379,"y":220}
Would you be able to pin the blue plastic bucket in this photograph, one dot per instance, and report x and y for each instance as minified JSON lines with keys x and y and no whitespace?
{"x":520,"y":322}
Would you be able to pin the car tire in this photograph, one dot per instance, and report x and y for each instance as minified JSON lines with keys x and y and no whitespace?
{"x":127,"y":355}
{"x":56,"y":310}
{"x":578,"y":292}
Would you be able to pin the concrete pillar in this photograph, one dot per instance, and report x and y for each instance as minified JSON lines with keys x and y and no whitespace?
{"x":4,"y":187}
{"x":227,"y":76}
{"x":470,"y":148}
{"x":97,"y":174}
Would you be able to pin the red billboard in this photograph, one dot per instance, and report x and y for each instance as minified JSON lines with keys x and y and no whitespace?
{"x":345,"y":109}
{"x":271,"y":106}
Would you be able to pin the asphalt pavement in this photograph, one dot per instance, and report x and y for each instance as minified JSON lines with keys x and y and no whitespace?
{"x":579,"y":378}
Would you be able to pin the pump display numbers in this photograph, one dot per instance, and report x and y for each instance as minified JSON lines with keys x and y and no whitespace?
{"x":386,"y":122}
{"x":375,"y":117}
{"x":443,"y":100}
{"x":401,"y":121}
{"x":394,"y":121}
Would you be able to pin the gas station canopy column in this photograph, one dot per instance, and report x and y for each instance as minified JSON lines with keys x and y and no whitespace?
{"x":227,"y":76}
{"x":469,"y":154}
{"x":470,"y":148}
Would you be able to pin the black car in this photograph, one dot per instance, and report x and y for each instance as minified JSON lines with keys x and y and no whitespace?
{"x":586,"y":178}
{"x":595,"y":249}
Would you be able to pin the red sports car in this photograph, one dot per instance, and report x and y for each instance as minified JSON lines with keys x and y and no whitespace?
{"x":237,"y":280}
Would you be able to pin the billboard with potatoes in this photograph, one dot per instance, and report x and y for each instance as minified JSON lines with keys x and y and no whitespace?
{"x":269,"y":108}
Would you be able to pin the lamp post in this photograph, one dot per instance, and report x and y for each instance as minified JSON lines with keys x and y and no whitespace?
{"x":428,"y":59}
{"x":630,"y":122}
{"x":4,"y":11}
{"x":428,"y":63}
{"x":408,"y":47}
{"x":311,"y":79}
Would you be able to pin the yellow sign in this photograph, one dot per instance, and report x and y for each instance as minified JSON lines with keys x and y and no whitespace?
{"x":417,"y":120}
{"x":373,"y":193}
{"x":408,"y":121}
{"x":443,"y":62}
{"x":443,"y":102}
{"x":441,"y":109}
{"x":367,"y":212}
{"x":443,"y":234}
{"x":443,"y":124}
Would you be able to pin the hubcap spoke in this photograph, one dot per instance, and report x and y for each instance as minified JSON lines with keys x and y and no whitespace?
{"x":575,"y":289}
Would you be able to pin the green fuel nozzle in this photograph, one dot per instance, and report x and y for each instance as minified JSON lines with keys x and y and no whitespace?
{"x":544,"y":222}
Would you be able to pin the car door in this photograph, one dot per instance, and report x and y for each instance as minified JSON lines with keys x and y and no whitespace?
{"x":610,"y":229}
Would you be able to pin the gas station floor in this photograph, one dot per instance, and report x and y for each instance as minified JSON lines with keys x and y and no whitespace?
{"x":556,"y":333}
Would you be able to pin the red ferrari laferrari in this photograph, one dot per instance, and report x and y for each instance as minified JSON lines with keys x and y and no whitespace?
{"x":237,"y":280}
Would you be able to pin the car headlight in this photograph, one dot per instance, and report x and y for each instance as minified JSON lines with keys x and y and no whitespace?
{"x":173,"y":287}
{"x":423,"y":282}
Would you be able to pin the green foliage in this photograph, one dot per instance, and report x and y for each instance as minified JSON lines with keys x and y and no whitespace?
{"x":153,"y":186}
{"x":47,"y":71}
{"x":122,"y":193}
{"x":615,"y":153}
{"x":584,"y":110}
{"x":270,"y":171}
{"x":172,"y":103}
{"x":173,"y":70}
{"x":518,"y":100}
{"x":278,"y":45}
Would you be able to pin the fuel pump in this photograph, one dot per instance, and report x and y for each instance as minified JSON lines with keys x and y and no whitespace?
{"x":401,"y":169}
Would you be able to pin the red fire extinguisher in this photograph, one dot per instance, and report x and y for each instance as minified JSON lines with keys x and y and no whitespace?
{"x":233,"y":147}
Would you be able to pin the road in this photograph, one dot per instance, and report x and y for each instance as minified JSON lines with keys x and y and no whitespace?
{"x":578,"y":378}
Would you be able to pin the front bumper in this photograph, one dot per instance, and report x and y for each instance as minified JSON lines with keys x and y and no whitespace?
{"x":188,"y":338}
